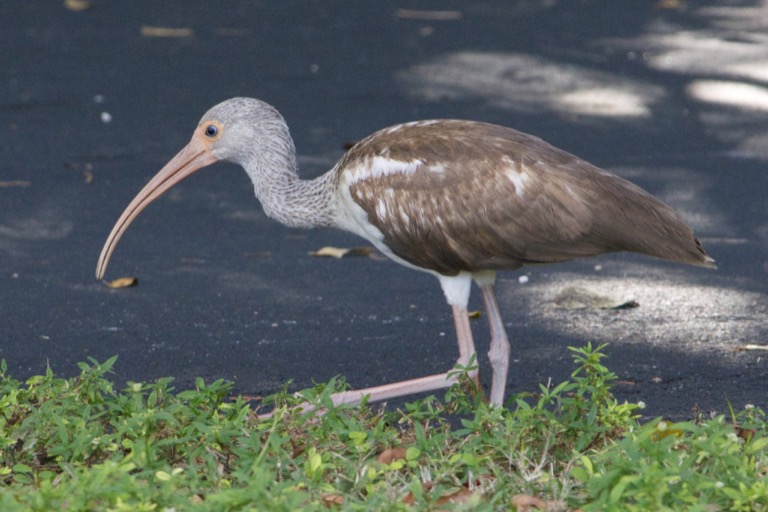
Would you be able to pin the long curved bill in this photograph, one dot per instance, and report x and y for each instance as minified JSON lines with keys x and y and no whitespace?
{"x":193,"y":157}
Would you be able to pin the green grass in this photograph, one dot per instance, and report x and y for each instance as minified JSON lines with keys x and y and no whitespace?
{"x":78,"y":444}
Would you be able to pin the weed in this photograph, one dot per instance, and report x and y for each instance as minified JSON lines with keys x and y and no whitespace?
{"x":78,"y":444}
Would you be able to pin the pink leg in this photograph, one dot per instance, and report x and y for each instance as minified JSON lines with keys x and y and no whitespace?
{"x":500,"y":349}
{"x":423,"y":384}
{"x":420,"y":385}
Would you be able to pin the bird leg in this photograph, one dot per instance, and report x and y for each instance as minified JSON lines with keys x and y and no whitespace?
{"x":422,"y":384}
{"x":500,"y":349}
{"x":466,"y":344}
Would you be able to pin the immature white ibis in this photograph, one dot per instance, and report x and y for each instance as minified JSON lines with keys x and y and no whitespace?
{"x":457,"y":199}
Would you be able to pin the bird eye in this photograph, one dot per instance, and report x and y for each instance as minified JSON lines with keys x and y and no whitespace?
{"x":211,"y":131}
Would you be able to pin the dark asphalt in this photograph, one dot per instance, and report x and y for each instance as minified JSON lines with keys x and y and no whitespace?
{"x":94,"y":102}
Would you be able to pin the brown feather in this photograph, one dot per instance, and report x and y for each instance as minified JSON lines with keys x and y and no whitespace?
{"x":459,"y":210}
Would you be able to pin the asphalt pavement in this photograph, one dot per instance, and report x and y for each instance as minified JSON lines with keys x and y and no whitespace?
{"x":96,"y":96}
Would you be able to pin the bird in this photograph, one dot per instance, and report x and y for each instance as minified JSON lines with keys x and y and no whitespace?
{"x":458,"y":199}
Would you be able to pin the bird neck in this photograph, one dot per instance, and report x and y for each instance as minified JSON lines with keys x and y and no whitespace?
{"x":287,"y":198}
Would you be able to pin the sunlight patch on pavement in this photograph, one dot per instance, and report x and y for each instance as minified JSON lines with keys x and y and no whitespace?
{"x":521,"y":82}
{"x":689,"y":52}
{"x":734,"y":94}
{"x":671,"y":313}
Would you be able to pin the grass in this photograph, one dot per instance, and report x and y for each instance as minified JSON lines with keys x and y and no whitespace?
{"x":78,"y":444}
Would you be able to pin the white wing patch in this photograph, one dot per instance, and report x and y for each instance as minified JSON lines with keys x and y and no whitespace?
{"x":519,"y":179}
{"x":376,"y":166}
{"x":351,"y":217}
{"x":381,"y":209}
{"x":404,"y":216}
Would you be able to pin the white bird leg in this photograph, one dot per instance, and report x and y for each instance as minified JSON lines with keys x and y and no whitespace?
{"x":500,"y":349}
{"x":422,"y":384}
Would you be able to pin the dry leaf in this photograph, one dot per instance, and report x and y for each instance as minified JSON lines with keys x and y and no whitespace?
{"x":745,"y":433}
{"x":461,"y":496}
{"x":88,"y":175}
{"x":298,"y":449}
{"x":412,"y":14}
{"x":165,"y":32}
{"x":410,"y":500}
{"x":751,"y":346}
{"x":77,"y":5}
{"x":669,"y":4}
{"x":390,"y":455}
{"x":523,"y":502}
{"x":122,"y":282}
{"x":475,"y":314}
{"x":574,"y":297}
{"x":332,"y":499}
{"x":663,"y":431}
{"x":341,"y":252}
{"x":15,"y":183}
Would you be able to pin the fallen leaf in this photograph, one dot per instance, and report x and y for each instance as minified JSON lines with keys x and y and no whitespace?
{"x":745,"y":433}
{"x":475,"y":314}
{"x":410,"y":500}
{"x":574,"y":297}
{"x":412,"y":14}
{"x":341,"y":252}
{"x":122,"y":282}
{"x":15,"y":183}
{"x":663,"y":430}
{"x":751,"y":346}
{"x":669,"y":4}
{"x":88,"y":175}
{"x":390,"y":455}
{"x":461,"y":496}
{"x":165,"y":32}
{"x":524,"y":503}
{"x":332,"y":499}
{"x":77,"y":5}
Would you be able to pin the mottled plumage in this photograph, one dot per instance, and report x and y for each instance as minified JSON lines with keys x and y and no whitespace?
{"x":458,"y":199}
{"x":485,"y":197}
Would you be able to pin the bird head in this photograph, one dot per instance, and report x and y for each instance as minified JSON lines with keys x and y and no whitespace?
{"x":234,"y":131}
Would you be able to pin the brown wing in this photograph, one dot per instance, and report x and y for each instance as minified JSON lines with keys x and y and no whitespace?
{"x":478,"y":196}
